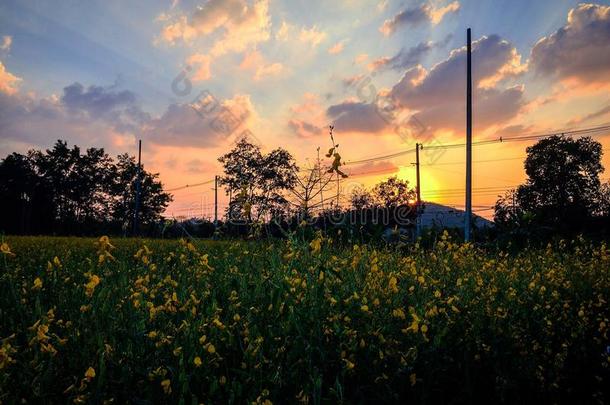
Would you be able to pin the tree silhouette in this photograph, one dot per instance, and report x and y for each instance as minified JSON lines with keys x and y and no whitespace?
{"x":562,"y":191}
{"x":64,"y":191}
{"x":256,"y":181}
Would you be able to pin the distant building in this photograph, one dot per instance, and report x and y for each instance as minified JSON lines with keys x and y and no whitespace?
{"x":441,"y":216}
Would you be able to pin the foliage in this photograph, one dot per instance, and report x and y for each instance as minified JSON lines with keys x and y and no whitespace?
{"x":256,"y":180}
{"x":392,"y":192}
{"x":562,"y":194}
{"x":66,"y":191}
{"x":164,"y":321}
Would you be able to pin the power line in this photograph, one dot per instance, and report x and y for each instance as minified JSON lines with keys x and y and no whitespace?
{"x":500,"y":139}
{"x":191,"y":185}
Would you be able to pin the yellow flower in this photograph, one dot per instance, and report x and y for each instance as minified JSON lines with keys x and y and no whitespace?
{"x":393,"y":284}
{"x":90,"y":286}
{"x":348,"y":364}
{"x":37,"y":284}
{"x":316,"y":245}
{"x":424,"y":328}
{"x":167,"y":386}
{"x":6,"y":249}
{"x":197,"y":361}
{"x":211,"y":349}
{"x":90,"y":374}
{"x":413,"y":379}
{"x":104,"y":243}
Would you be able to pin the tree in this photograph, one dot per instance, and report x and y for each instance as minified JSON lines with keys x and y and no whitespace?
{"x":257,"y":181}
{"x":153,"y":200}
{"x":25,"y":201}
{"x":361,"y":198}
{"x":393,"y":192}
{"x":64,"y":191}
{"x":562,"y":189}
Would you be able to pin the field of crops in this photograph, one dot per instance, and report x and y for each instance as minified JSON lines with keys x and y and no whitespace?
{"x":84,"y":320}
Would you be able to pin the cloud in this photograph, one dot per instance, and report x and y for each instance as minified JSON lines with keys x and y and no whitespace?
{"x":312,"y":36}
{"x":407,"y":57}
{"x":578,"y":50}
{"x":304,"y":129}
{"x":255,"y":61}
{"x":589,"y":117}
{"x":5,"y":45}
{"x":240,"y":23}
{"x":352,"y":80}
{"x":111,"y":118}
{"x":118,"y":109}
{"x":307,"y":118}
{"x":353,"y":116}
{"x":182,"y":125}
{"x":272,"y":69}
{"x":361,"y":58}
{"x":282,"y":33}
{"x":438,"y":94}
{"x":416,"y":16}
{"x":337,"y":48}
{"x":251,"y":60}
{"x":198,"y":166}
{"x":8,"y":81}
{"x":39,"y":122}
{"x":372,"y":168}
{"x":202,"y":63}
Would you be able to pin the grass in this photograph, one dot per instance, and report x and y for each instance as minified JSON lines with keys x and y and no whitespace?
{"x":128,"y":320}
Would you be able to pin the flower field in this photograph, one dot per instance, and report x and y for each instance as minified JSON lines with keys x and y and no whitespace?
{"x":128,"y":320}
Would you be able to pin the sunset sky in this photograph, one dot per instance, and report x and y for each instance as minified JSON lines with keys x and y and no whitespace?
{"x":106,"y":73}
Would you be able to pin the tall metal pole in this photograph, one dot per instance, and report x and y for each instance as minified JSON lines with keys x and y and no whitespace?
{"x":216,"y":201}
{"x":418,"y":189}
{"x":138,"y":188}
{"x":468,"y":212}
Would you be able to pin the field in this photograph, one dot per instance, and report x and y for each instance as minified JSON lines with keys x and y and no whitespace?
{"x":128,"y":320}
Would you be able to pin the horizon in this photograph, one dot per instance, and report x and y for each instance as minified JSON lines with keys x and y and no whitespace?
{"x":108,"y":74}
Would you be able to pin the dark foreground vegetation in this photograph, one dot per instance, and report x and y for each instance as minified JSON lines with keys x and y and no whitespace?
{"x":150,"y":321}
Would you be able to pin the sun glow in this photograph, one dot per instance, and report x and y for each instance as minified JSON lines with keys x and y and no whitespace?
{"x":427,"y":180}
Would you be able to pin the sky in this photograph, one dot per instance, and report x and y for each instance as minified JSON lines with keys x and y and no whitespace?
{"x":190,"y":78}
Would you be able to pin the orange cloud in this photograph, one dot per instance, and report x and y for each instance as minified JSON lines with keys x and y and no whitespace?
{"x":8,"y":81}
{"x":202,"y":62}
{"x":273,"y":69}
{"x":336,"y":48}
{"x":313,"y":36}
{"x":243,"y":24}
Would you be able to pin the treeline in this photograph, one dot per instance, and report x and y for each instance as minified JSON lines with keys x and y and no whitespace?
{"x":67,"y":191}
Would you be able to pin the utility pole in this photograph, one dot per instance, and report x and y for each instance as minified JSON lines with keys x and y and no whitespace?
{"x":215,"y":201}
{"x":468,"y":212}
{"x":418,"y":189}
{"x":138,"y":187}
